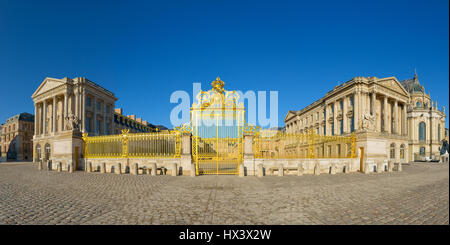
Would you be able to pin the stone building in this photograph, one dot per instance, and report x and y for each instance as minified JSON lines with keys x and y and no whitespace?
{"x":65,"y":108}
{"x":384,"y":114}
{"x":16,"y":136}
{"x":135,"y":125}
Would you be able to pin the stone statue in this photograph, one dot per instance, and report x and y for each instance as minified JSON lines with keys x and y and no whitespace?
{"x":72,"y":122}
{"x":368,"y":122}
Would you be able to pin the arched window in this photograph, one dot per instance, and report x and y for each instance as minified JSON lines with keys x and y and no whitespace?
{"x":422,"y":132}
{"x":47,"y":151}
{"x":419,"y":104}
{"x":402,"y":151}
{"x":392,"y":151}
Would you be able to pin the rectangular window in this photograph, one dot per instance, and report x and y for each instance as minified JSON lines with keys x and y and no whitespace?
{"x":107,"y":129}
{"x":88,"y":124}
{"x":99,"y":106}
{"x":352,"y":124}
{"x":342,"y":127}
{"x":332,"y":129}
{"x":98,"y":127}
{"x":107,"y":108}
{"x":88,"y":102}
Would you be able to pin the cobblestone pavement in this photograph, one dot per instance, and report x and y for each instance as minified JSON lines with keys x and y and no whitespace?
{"x":418,"y":195}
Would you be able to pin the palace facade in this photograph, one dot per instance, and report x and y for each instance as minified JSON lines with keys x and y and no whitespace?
{"x":16,"y":138}
{"x":65,"y":108}
{"x":392,"y":120}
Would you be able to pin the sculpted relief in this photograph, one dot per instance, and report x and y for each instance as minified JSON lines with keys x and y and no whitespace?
{"x":367,"y":122}
{"x":72,"y":122}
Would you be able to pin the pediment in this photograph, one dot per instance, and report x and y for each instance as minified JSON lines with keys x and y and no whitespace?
{"x":289,"y":115}
{"x":46,"y":85}
{"x":394,"y":85}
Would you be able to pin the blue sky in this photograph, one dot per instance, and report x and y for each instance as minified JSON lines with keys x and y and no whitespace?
{"x":143,"y":50}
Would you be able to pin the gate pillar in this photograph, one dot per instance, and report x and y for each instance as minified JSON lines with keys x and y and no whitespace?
{"x":249,"y":155}
{"x":186,"y":157}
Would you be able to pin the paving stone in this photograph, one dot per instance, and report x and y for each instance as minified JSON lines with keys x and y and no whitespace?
{"x":417,"y":195}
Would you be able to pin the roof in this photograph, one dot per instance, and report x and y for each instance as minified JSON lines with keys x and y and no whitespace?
{"x":24,"y":116}
{"x":413,"y":85}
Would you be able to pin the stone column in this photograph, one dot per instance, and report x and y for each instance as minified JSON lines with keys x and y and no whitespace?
{"x":77,"y":102}
{"x":95,"y":115}
{"x":36,"y":120}
{"x":356,"y":110}
{"x":54,"y":115}
{"x":385,"y":108}
{"x":327,"y":110}
{"x":372,"y":104}
{"x":344,"y":115}
{"x":44,"y":112}
{"x":104,"y":118}
{"x":83,"y":110}
{"x":336,"y":126}
{"x":396,"y":121}
{"x":405,"y":120}
{"x":65,"y":110}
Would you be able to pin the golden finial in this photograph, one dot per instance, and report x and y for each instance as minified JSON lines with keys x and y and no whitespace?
{"x":218,"y":85}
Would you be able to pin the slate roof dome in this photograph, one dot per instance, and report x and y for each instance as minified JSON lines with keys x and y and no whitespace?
{"x":412,"y":85}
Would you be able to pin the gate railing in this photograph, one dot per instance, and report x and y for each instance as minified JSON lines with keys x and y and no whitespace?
{"x":133,"y":145}
{"x":280,"y":145}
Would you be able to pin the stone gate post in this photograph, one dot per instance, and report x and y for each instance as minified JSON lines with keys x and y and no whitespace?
{"x":249,"y":155}
{"x":186,"y":157}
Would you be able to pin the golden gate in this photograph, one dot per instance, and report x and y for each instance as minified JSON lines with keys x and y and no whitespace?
{"x":217,"y":123}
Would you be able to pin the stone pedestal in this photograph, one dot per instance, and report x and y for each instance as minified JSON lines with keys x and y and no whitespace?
{"x":89,"y":167}
{"x":379,"y":167}
{"x":260,"y":172}
{"x":444,"y":158}
{"x":241,"y":170}
{"x":333,"y":168}
{"x":193,"y":170}
{"x":367,"y":167}
{"x":39,"y":165}
{"x":399,"y":167}
{"x":280,"y":170}
{"x":59,"y":168}
{"x":174,"y":169}
{"x":68,"y":147}
{"x":70,"y":166}
{"x":317,"y":168}
{"x":300,"y":169}
{"x":103,"y":168}
{"x":390,"y":165}
{"x":153,"y":167}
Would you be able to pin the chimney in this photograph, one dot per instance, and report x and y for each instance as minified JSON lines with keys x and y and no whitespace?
{"x":118,"y":110}
{"x":133,"y":117}
{"x":139,"y":119}
{"x":144,"y":122}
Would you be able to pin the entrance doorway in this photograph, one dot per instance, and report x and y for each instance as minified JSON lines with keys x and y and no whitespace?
{"x":361,"y":161}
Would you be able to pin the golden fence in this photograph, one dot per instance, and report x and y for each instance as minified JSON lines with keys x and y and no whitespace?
{"x":280,"y":145}
{"x":130,"y":145}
